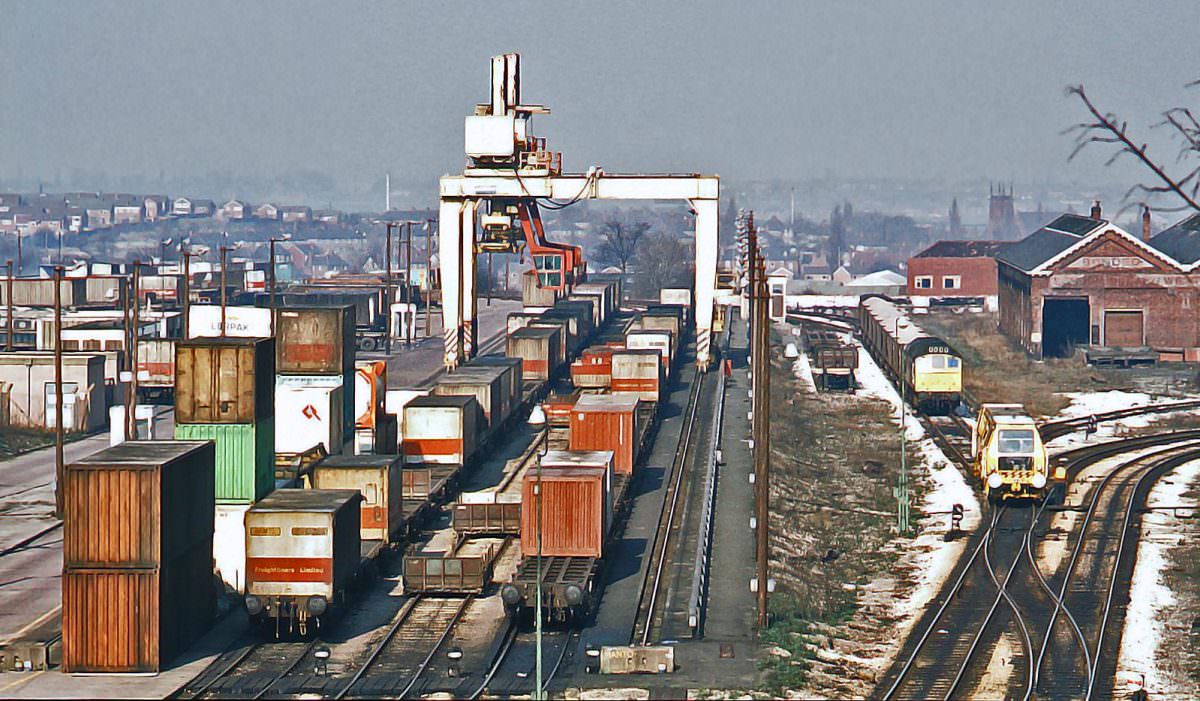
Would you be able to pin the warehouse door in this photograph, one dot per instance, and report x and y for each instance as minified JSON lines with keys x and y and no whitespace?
{"x":1124,"y":329}
{"x":1064,"y":326}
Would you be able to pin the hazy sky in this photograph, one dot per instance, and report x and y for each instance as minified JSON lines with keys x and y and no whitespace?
{"x":750,"y":90}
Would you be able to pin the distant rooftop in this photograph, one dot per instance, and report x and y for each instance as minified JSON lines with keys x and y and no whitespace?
{"x":964,"y":249}
{"x":1048,"y":241}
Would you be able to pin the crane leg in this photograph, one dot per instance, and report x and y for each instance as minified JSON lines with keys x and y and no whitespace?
{"x":706,"y":276}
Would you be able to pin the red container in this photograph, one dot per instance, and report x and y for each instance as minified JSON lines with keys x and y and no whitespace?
{"x":593,"y":369}
{"x":575,"y":512}
{"x":607,"y":422}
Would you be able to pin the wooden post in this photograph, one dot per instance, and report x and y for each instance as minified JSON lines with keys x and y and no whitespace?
{"x":132,"y":353}
{"x":387,"y":290}
{"x":8,"y":303}
{"x":409,"y":309}
{"x":187,"y":287}
{"x":762,"y":439}
{"x":59,"y":463}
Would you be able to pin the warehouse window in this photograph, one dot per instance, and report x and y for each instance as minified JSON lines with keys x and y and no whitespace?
{"x":924,"y":282}
{"x":951,"y":282}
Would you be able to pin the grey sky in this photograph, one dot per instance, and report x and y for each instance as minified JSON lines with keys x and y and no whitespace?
{"x":749,"y":90}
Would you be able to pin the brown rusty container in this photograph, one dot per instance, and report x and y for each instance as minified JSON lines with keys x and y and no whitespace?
{"x":511,"y":378}
{"x":486,"y":384}
{"x":377,"y":478}
{"x":315,"y":341}
{"x":575,"y":513}
{"x":607,"y":422}
{"x":136,"y":620}
{"x":639,"y":372}
{"x":139,"y":504}
{"x":564,"y":332}
{"x":538,"y":349}
{"x":224,"y":381}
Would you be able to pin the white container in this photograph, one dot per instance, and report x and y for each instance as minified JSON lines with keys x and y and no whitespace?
{"x":229,"y":546}
{"x":680,"y":296}
{"x":204,"y":321}
{"x":657,"y":340}
{"x":307,"y":416}
{"x":395,"y":400}
{"x":364,"y":441}
{"x":477,"y":498}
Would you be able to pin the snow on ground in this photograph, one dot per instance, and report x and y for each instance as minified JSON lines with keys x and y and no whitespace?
{"x":1088,"y":403}
{"x":1149,"y":597}
{"x":802,"y":370}
{"x":821,"y":301}
{"x":929,"y":556}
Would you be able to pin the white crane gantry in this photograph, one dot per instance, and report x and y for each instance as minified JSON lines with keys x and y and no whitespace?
{"x":508,"y":172}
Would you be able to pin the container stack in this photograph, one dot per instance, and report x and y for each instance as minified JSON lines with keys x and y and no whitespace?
{"x":314,"y":393}
{"x":225,"y":392}
{"x":137,"y":555}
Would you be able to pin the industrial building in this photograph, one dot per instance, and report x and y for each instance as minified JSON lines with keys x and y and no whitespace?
{"x":1085,"y":282}
{"x":956,"y":270}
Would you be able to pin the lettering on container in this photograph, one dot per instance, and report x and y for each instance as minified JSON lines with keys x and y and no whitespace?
{"x":289,"y":569}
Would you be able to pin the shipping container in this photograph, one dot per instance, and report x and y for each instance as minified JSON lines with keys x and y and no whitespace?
{"x":681,"y":296}
{"x":657,"y":319}
{"x":557,"y":408}
{"x":608,"y":422}
{"x":564,"y":459}
{"x":230,"y":381}
{"x":315,"y":341}
{"x":639,"y":372}
{"x":486,"y":384}
{"x":370,"y":387}
{"x":582,"y":309}
{"x":615,"y":280}
{"x":307,"y":416}
{"x":156,"y":363}
{"x":661,"y":341}
{"x":595,"y":301}
{"x":396,"y":399}
{"x":387,"y":435}
{"x":107,"y":290}
{"x":575,"y":513}
{"x":511,"y":380}
{"x":377,"y":478}
{"x":593,"y":370}
{"x":160,"y":288}
{"x":538,"y":349}
{"x":562,"y":322}
{"x":605,"y":293}
{"x":138,"y":504}
{"x":136,"y":620}
{"x":441,"y":430}
{"x":229,"y":546}
{"x":533,"y":294}
{"x":245,"y":457}
{"x":204,"y":321}
{"x":302,"y":544}
{"x":367,"y":302}
{"x":519,"y":320}
{"x":39,"y":292}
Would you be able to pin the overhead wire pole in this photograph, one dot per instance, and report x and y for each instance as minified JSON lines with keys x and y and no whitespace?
{"x":762,"y":440}
{"x":59,"y":463}
{"x":429,"y":277}
{"x":8,"y":303}
{"x":132,"y":351}
{"x":387,"y":289}
{"x":186,"y":254}
{"x":127,"y":316}
{"x":410,"y":309}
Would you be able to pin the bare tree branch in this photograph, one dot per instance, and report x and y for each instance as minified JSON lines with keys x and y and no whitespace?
{"x":1108,"y":128}
{"x":620,"y":242}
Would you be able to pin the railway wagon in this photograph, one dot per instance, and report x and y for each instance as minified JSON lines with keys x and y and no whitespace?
{"x":1008,"y":455}
{"x":303,"y":554}
{"x":926,"y":370}
{"x":833,"y":361}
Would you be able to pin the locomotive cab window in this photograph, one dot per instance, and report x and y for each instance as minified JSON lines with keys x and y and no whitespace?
{"x":1014,"y":441}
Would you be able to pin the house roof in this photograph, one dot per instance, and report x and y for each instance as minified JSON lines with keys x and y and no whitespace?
{"x":1180,"y":241}
{"x":1048,"y":241}
{"x":964,"y":249}
{"x":879,"y":278}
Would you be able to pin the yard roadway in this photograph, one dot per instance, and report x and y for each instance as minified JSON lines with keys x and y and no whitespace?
{"x":415,"y":366}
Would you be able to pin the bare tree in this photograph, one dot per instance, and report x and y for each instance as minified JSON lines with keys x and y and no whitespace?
{"x":619,"y":242}
{"x":1108,"y":128}
{"x":666,"y":262}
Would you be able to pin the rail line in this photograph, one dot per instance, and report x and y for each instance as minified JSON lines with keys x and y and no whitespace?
{"x":1080,"y":601}
{"x":249,"y":672}
{"x":1061,"y":427}
{"x":512,"y":671}
{"x":652,"y":583}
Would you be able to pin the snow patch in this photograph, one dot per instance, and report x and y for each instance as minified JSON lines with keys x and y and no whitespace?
{"x":803,"y":301}
{"x":1088,"y":403}
{"x":1149,"y":596}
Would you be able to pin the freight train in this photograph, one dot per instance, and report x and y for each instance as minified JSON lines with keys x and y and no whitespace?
{"x":1008,"y":456}
{"x":926,"y":369}
{"x":301,"y":573}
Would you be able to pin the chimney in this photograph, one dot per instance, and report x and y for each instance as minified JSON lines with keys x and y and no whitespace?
{"x":1095,"y":209}
{"x":1145,"y":223}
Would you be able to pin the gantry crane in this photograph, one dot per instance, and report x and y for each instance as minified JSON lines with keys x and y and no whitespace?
{"x":495,"y":206}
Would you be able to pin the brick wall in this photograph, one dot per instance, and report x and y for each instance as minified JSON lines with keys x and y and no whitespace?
{"x":977,"y":276}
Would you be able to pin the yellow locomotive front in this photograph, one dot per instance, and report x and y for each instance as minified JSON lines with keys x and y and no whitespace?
{"x":1008,"y":454}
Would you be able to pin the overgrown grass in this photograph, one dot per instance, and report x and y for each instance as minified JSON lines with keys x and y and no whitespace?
{"x":15,"y":440}
{"x":997,"y":370}
{"x":835,"y":459}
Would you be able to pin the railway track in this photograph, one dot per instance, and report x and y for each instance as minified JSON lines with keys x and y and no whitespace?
{"x":1061,"y":427}
{"x":249,"y":671}
{"x":649,"y":614}
{"x":512,"y":672}
{"x":953,"y":435}
{"x":1067,"y":622}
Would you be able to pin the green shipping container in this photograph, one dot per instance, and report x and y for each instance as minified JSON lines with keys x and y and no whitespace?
{"x":245,"y":458}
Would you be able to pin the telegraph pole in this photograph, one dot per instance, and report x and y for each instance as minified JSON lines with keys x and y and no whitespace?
{"x":387,"y":290}
{"x":410,"y":309}
{"x":8,"y":302}
{"x":224,"y":251}
{"x":132,"y":354}
{"x":762,"y":439}
{"x":59,"y":462}
{"x":428,"y":277}
{"x":187,"y":285}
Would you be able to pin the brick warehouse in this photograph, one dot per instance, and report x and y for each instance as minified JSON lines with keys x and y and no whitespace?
{"x":1082,"y":281}
{"x":956,"y":270}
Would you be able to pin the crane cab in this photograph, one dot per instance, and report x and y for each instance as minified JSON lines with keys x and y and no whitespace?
{"x":1008,"y":455}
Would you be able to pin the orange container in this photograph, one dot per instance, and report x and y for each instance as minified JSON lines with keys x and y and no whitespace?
{"x":593,"y":369}
{"x":370,"y":389}
{"x":575,"y":512}
{"x":607,"y":422}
